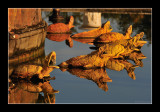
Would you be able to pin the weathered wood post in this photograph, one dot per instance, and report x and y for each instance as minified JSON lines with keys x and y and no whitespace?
{"x":27,"y":32}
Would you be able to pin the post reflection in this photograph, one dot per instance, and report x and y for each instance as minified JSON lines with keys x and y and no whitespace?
{"x":23,"y":91}
{"x":30,"y":78}
{"x":91,"y":19}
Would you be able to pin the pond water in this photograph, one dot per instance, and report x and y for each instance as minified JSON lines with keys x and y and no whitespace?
{"x":122,"y":89}
{"x":80,"y":87}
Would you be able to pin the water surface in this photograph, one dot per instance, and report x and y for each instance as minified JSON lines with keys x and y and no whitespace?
{"x":122,"y":89}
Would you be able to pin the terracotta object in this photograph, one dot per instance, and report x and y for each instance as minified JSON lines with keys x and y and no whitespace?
{"x":99,"y":58}
{"x":96,"y":58}
{"x":61,"y":27}
{"x":29,"y":70}
{"x":113,"y":36}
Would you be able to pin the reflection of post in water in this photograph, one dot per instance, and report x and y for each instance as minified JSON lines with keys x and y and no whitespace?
{"x":26,"y":44}
{"x":33,"y":76}
{"x":34,"y":56}
{"x":91,"y":20}
{"x":21,"y":91}
{"x":97,"y":75}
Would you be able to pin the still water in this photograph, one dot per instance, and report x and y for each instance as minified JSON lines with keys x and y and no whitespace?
{"x":75,"y":87}
{"x":122,"y":89}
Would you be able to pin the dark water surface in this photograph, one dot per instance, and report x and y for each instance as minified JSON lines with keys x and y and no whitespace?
{"x":122,"y":89}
